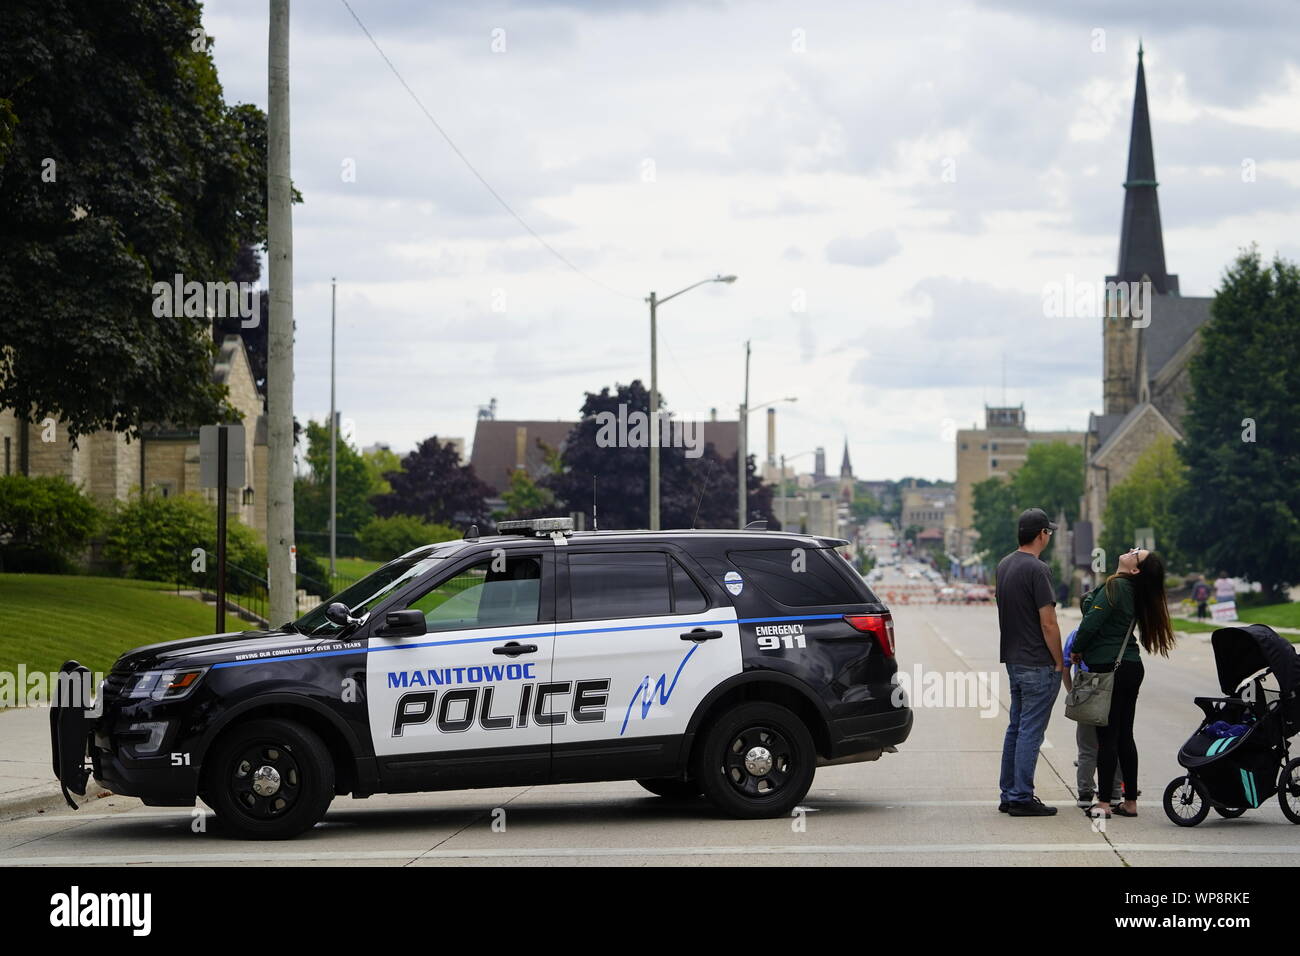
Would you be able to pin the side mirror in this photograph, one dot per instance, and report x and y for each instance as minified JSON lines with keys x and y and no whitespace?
{"x":408,"y":623}
{"x":338,"y":613}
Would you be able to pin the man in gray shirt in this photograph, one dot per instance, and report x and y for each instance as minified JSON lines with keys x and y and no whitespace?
{"x":1031,"y":650}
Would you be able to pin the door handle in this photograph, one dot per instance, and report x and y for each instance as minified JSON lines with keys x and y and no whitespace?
{"x":514,"y":649}
{"x":700,"y":634}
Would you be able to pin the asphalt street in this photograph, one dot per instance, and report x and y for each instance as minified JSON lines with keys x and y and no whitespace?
{"x":932,"y":803}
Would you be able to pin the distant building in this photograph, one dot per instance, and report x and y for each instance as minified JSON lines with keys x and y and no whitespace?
{"x":1145,"y":377}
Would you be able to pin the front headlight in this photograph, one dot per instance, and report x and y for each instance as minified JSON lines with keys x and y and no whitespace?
{"x":164,"y":685}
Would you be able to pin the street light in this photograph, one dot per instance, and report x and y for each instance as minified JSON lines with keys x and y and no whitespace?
{"x":742,"y":444}
{"x":654,"y":392}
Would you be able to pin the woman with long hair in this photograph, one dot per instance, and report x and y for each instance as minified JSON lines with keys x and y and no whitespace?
{"x":1131,"y":598}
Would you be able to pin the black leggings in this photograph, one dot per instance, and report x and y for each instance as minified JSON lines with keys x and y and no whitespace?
{"x":1115,"y":742}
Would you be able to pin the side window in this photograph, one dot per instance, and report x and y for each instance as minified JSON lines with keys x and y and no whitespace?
{"x":687,"y":596}
{"x":619,"y":584}
{"x":815,"y":583}
{"x":484,"y":596}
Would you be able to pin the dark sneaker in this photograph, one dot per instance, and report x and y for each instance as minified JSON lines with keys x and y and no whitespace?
{"x":1085,"y":799}
{"x":1031,"y":808}
{"x":1004,"y":807}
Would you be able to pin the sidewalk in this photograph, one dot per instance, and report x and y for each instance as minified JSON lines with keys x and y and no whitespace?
{"x":27,"y":782}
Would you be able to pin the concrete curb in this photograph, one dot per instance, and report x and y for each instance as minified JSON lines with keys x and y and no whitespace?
{"x":30,"y":801}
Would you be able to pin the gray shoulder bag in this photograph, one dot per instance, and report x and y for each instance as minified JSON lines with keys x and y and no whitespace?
{"x":1089,"y":699}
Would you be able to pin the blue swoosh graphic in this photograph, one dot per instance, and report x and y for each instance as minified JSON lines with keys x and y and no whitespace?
{"x":647,"y":693}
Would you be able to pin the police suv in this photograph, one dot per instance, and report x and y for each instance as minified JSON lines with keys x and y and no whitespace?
{"x":728,"y":663}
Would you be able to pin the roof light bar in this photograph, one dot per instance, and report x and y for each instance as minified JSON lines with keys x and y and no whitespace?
{"x":539,"y":526}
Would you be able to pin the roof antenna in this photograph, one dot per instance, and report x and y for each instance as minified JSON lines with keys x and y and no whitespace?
{"x":595,"y":526}
{"x":702,"y":491}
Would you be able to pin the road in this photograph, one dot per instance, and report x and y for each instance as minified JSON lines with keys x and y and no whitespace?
{"x":934,"y":802}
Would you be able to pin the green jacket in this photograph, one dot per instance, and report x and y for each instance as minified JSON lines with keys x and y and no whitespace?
{"x":1102,"y":630}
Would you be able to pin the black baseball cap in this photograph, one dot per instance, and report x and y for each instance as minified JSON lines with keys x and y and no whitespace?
{"x":1034,"y":520}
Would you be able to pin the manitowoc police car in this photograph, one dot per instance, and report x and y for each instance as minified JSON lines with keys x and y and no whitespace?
{"x":728,"y":663}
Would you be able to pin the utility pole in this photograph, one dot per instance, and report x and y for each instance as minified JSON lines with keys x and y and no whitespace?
{"x":334,"y":440}
{"x":279,"y":373}
{"x":742,"y":448}
{"x":654,"y":416}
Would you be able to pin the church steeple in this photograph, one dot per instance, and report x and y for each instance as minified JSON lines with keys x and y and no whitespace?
{"x":1141,"y":242}
{"x":846,"y":469}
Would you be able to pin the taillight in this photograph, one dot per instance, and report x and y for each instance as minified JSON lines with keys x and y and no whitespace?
{"x":881,"y":625}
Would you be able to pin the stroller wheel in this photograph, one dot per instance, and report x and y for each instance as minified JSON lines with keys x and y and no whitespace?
{"x":1230,"y":813}
{"x":1186,"y":802}
{"x":1288,"y":790}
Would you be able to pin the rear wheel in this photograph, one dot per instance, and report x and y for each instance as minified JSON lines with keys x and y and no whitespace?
{"x":1186,"y":802}
{"x":1288,"y":790}
{"x":671,"y":789}
{"x":756,"y":760}
{"x":269,"y":780}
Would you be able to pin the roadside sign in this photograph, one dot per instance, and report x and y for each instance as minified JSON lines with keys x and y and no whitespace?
{"x":1223,"y":611}
{"x":235,"y":459}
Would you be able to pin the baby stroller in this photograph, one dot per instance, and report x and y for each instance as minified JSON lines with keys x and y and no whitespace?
{"x":1239,"y":757}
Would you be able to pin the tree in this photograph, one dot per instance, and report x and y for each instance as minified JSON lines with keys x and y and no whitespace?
{"x":433,"y":485}
{"x":1240,"y":509}
{"x":693,"y":491}
{"x":354,"y":480}
{"x":864,"y":507}
{"x":44,"y":522}
{"x":994,"y":504}
{"x":386,"y":538}
{"x":525,"y":498}
{"x":379,"y":462}
{"x":1052,"y":479}
{"x":121,"y":165}
{"x":1146,"y":499}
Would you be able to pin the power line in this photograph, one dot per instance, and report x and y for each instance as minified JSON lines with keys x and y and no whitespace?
{"x":470,"y":166}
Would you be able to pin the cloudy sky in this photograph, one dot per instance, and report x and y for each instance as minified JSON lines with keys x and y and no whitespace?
{"x":894,"y":184}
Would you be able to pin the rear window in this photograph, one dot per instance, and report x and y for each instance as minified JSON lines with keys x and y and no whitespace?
{"x":801,"y":577}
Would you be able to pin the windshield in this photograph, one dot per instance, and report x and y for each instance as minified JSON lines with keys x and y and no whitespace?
{"x":368,"y":592}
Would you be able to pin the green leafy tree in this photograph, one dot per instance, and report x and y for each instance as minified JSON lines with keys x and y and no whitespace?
{"x":355,"y":481}
{"x":434,"y":486}
{"x":525,"y":498}
{"x":154,"y":538}
{"x":386,"y":538}
{"x":1240,"y":509}
{"x":1146,"y":498}
{"x":994,"y":505}
{"x":44,"y":522}
{"x":121,"y":165}
{"x":379,"y":462}
{"x":864,"y":507}
{"x":1052,"y":479}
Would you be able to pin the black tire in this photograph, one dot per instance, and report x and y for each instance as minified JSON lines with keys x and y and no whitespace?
{"x":1230,"y":813}
{"x":301,"y":773}
{"x":772,"y":783}
{"x":1186,"y":801}
{"x":671,"y":788}
{"x":1288,"y":790}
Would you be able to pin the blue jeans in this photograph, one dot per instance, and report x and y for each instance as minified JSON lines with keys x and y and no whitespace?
{"x":1033,"y":692}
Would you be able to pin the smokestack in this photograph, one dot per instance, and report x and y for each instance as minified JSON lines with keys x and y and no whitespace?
{"x":771,"y":436}
{"x":713,"y":414}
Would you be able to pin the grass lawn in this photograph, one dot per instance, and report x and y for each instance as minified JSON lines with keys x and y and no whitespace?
{"x":353,"y":567}
{"x":51,"y":618}
{"x":1274,"y":615}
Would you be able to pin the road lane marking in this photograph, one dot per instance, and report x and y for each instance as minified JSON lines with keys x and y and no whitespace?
{"x":480,"y":853}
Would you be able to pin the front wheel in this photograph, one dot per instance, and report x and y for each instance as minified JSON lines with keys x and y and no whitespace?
{"x":1186,"y":802}
{"x":756,"y":760}
{"x":269,"y":780}
{"x":1288,"y":790}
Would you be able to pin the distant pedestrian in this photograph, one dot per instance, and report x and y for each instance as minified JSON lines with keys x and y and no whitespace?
{"x":1063,"y":593}
{"x":1030,"y":647}
{"x":1225,"y":589}
{"x":1201,"y":595}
